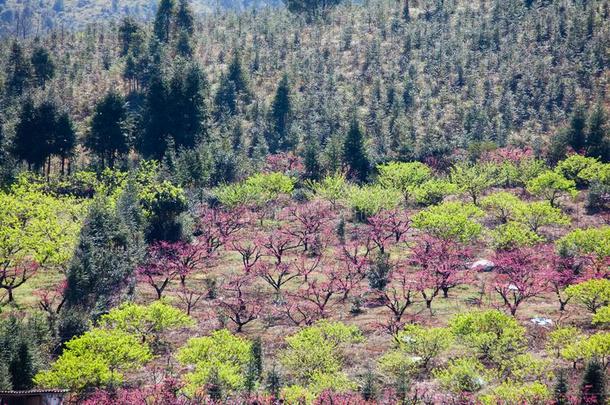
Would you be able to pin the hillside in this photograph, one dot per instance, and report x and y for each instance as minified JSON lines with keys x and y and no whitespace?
{"x":383,"y":203}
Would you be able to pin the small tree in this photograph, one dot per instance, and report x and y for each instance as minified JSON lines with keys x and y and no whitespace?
{"x":451,"y":221}
{"x":354,"y":153}
{"x":517,"y":277}
{"x":239,"y":304}
{"x":593,"y":388}
{"x":405,"y":177}
{"x":473,"y":179}
{"x":592,"y":294}
{"x":550,"y":186}
{"x":107,"y":137}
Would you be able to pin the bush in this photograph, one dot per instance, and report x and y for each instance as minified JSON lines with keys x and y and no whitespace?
{"x":513,"y":235}
{"x":502,"y":205}
{"x":96,"y":359}
{"x":540,"y":213}
{"x":463,"y":375}
{"x":424,"y":344}
{"x":404,"y":177}
{"x":450,"y":220}
{"x":491,"y":334}
{"x":433,"y":191}
{"x":369,"y":200}
{"x":510,"y":392}
{"x":221,"y":353}
{"x":551,"y":185}
{"x":586,"y":241}
{"x":257,"y":190}
{"x":577,"y":168}
{"x":592,"y":294}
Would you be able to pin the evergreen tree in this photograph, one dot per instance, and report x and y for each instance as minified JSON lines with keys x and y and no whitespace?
{"x":576,"y":135}
{"x":406,"y":12}
{"x":593,"y":388}
{"x":274,"y":384}
{"x":64,"y":140}
{"x":354,"y":154}
{"x":157,"y":120}
{"x":107,"y":137}
{"x":189,"y":112}
{"x":43,"y":65}
{"x":21,"y":368}
{"x":129,"y":35}
{"x":225,"y":99}
{"x":598,"y":141}
{"x":257,"y":357}
{"x":183,"y":45}
{"x":163,"y":20}
{"x":184,"y":18}
{"x":104,"y":260}
{"x":34,"y":133}
{"x":369,"y":388}
{"x":237,"y":75}
{"x":280,"y":115}
{"x":214,"y":386}
{"x":311,"y":161}
{"x":561,"y":389}
{"x":19,"y":70}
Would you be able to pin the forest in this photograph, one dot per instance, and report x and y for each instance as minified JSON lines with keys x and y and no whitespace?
{"x":311,"y":202}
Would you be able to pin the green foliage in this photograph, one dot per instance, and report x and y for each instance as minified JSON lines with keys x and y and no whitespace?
{"x":595,"y":347}
{"x":423,"y":344}
{"x":317,"y":350}
{"x":97,"y":359}
{"x":108,"y":137}
{"x":586,"y":241}
{"x":577,"y":168}
{"x":593,"y":387}
{"x":474,"y":179}
{"x":526,"y":367}
{"x":354,"y":153}
{"x":258,"y":190}
{"x":491,"y":334}
{"x":369,"y":200}
{"x":551,"y":185}
{"x":227,"y":354}
{"x":332,"y":188}
{"x":513,"y":235}
{"x":561,"y":338}
{"x":433,"y":191}
{"x":502,"y":205}
{"x":450,"y":220}
{"x":163,"y":203}
{"x":602,"y":316}
{"x":148,"y":322}
{"x":463,"y":375}
{"x":405,"y":177}
{"x":510,"y":392}
{"x":540,"y":213}
{"x":592,"y":294}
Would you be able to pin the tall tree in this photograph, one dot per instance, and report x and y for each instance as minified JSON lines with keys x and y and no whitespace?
{"x":576,"y":134}
{"x":44,"y":67}
{"x":354,"y":154}
{"x":188,"y":112}
{"x":184,"y":18}
{"x":34,"y":133}
{"x":163,"y":20}
{"x":19,"y":70}
{"x":107,"y":137}
{"x":64,"y":139}
{"x":280,"y":115}
{"x":156,"y":129}
{"x":598,"y":141}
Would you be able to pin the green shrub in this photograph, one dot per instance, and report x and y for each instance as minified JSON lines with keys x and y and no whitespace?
{"x":586,"y":241}
{"x":551,"y":185}
{"x":513,"y":235}
{"x":404,"y":177}
{"x":450,"y":220}
{"x":463,"y":375}
{"x":433,"y":191}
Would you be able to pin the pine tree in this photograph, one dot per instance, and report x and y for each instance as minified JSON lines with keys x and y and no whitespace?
{"x":157,"y":120}
{"x":406,"y":12}
{"x":311,"y":161}
{"x":19,"y":70}
{"x":369,"y":388}
{"x":354,"y":155}
{"x":257,"y":357}
{"x":214,"y":386}
{"x":226,"y":98}
{"x":184,"y":18}
{"x":44,"y":68}
{"x":280,"y":115}
{"x":274,"y":384}
{"x":107,"y":137}
{"x":598,"y":141}
{"x":188,"y":95}
{"x":163,"y":20}
{"x":183,"y":45}
{"x":561,"y":389}
{"x":593,"y":388}
{"x":237,"y":75}
{"x":34,"y":133}
{"x":129,"y":32}
{"x":21,"y":368}
{"x":576,"y":134}
{"x":64,"y":140}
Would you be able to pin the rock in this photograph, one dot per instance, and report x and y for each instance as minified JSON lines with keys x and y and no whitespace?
{"x":542,"y":321}
{"x":483,"y":265}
